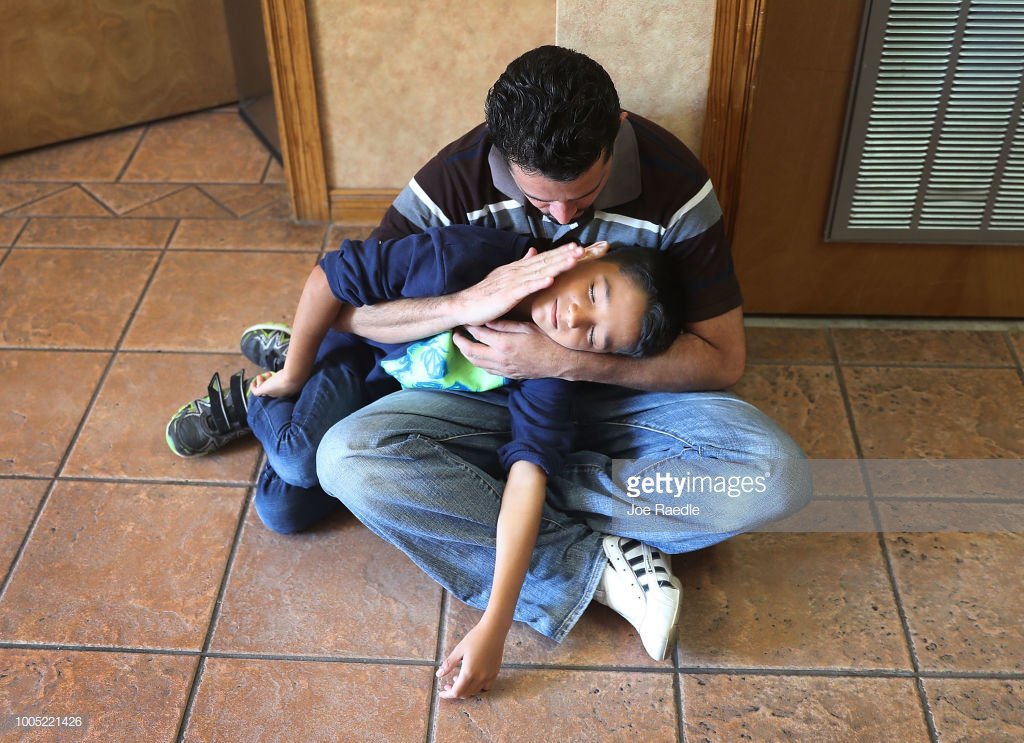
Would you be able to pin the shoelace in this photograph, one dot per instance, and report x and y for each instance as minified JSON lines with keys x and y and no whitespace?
{"x":647,"y":563}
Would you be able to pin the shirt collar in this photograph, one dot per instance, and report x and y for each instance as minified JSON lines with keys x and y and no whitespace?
{"x":623,"y":181}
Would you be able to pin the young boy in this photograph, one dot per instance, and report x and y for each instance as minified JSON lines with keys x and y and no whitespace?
{"x":612,"y":303}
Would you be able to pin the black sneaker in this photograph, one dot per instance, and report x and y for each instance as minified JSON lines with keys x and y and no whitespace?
{"x":205,"y":425}
{"x":266,"y":345}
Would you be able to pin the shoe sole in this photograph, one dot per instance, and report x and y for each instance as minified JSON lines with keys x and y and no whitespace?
{"x":268,"y":326}
{"x":670,"y":636}
{"x":170,"y":440}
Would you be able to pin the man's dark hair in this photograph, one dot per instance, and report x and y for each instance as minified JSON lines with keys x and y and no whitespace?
{"x":553,"y":112}
{"x":652,"y":273}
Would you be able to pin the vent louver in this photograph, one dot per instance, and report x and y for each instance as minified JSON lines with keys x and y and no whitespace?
{"x":934,"y":148}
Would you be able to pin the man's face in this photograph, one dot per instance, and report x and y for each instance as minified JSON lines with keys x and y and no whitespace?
{"x":592,"y":307}
{"x":563,"y":201}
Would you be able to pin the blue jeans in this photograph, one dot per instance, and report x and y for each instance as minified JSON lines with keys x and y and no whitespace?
{"x":288,"y":496}
{"x":419,"y":468}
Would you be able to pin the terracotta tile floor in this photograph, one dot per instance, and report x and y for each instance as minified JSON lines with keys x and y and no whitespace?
{"x":140,"y":592}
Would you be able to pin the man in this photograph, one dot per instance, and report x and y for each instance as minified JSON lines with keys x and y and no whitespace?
{"x":559,"y":160}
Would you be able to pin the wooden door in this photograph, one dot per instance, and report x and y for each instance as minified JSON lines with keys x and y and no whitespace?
{"x":795,"y":127}
{"x":69,"y":68}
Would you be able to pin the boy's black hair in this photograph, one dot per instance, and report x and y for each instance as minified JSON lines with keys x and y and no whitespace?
{"x":553,"y":112}
{"x":651,"y":272}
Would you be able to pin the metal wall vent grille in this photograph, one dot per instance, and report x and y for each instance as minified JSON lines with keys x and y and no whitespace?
{"x":934,"y":146}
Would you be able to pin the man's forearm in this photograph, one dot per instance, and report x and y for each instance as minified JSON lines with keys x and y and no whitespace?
{"x":401,"y":320}
{"x":691,"y":364}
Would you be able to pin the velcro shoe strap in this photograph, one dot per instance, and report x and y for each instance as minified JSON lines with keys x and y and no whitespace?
{"x":239,"y":401}
{"x":218,"y":412}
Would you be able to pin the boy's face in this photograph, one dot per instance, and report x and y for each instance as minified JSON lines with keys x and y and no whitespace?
{"x":591,"y":307}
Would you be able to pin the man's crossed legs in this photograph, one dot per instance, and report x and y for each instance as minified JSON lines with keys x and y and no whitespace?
{"x":675,"y":473}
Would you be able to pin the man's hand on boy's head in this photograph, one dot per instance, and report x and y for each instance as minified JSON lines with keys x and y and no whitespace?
{"x":506,"y":286}
{"x":517,"y":350}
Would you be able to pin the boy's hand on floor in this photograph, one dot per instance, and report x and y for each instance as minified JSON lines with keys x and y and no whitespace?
{"x":480,"y":653}
{"x":275,"y":385}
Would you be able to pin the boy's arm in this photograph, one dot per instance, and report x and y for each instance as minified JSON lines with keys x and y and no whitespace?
{"x":480,"y":651}
{"x":407,"y":319}
{"x":317,"y":311}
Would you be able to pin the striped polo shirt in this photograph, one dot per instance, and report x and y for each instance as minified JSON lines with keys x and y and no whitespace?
{"x":657,"y":196}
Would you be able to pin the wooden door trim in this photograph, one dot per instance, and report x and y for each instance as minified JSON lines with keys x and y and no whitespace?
{"x":298,"y":112}
{"x":735,"y":50}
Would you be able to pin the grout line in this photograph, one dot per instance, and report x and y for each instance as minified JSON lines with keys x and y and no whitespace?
{"x":349,"y":660}
{"x":257,"y":469}
{"x":804,"y":672}
{"x":214,"y":616}
{"x":887,"y":322}
{"x":677,"y":692}
{"x":132,"y":154}
{"x":230,"y":485}
{"x":230,"y":251}
{"x":1013,"y":352}
{"x":51,"y":349}
{"x":132,"y":351}
{"x":186,"y":712}
{"x":90,"y":195}
{"x":421,"y":663}
{"x":129,"y":214}
{"x":199,"y":187}
{"x":228,"y":566}
{"x":21,"y":231}
{"x":885,"y":364}
{"x":926,"y":710}
{"x":77,"y":432}
{"x":110,"y":362}
{"x":788,"y":362}
{"x":68,"y":185}
{"x":435,"y":700}
{"x":213,"y":352}
{"x":62,"y":646}
{"x":186,"y":184}
{"x":908,"y":636}
{"x":135,"y":248}
{"x":225,"y":655}
{"x":266,"y":170}
{"x":677,"y":695}
{"x":324,"y":246}
{"x":9,"y":575}
{"x":922,"y":365}
{"x":176,"y":251}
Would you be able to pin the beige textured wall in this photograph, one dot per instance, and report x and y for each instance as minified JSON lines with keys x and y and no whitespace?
{"x":658,"y":52}
{"x":397,"y":80}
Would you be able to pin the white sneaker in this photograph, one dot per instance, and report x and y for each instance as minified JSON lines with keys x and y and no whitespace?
{"x":638,"y":584}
